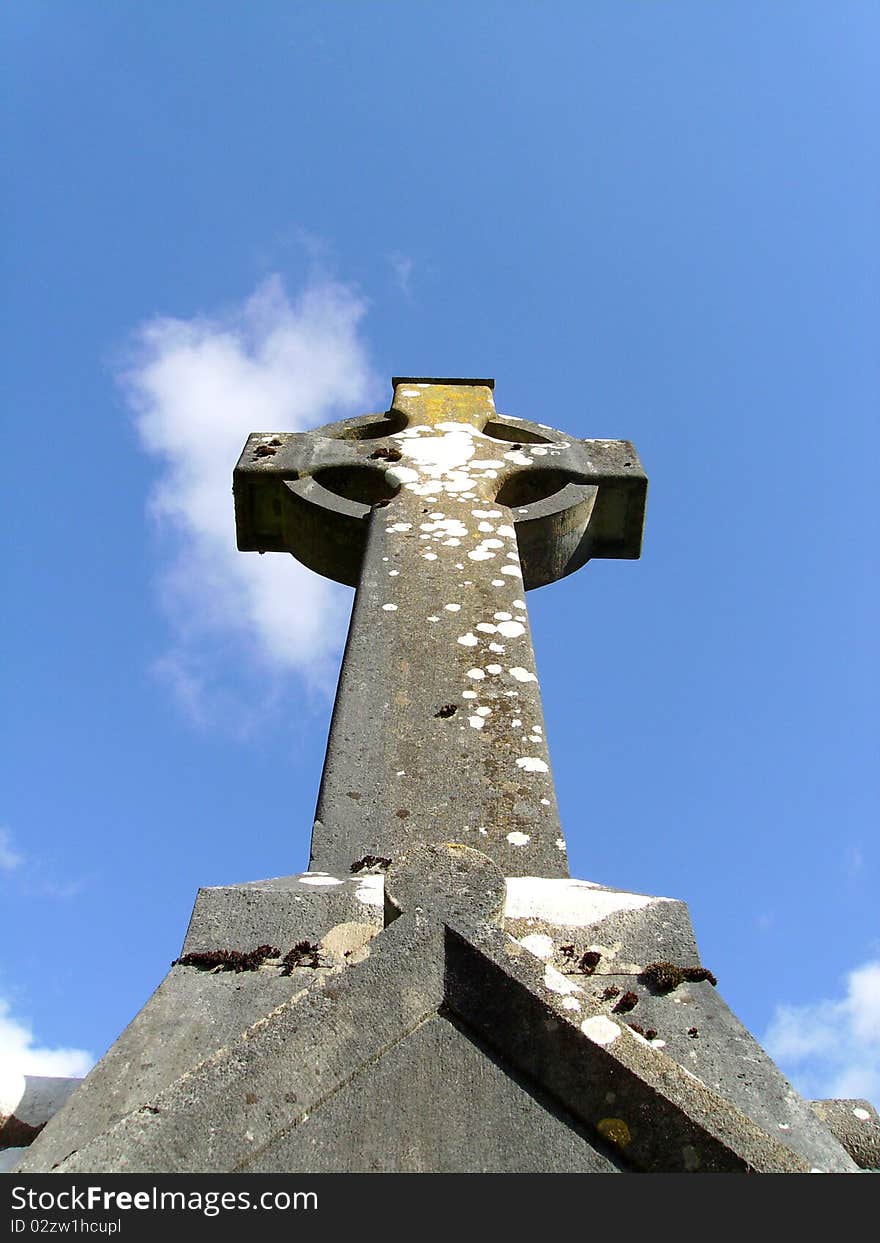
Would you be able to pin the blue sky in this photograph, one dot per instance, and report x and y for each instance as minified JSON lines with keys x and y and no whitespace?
{"x":651,"y":221}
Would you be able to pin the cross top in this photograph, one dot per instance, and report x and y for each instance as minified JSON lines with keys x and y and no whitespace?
{"x":441,"y":512}
{"x":313,"y":493}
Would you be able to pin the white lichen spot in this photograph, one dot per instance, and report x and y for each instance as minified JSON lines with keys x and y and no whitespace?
{"x":657,"y":1044}
{"x":503,"y":616}
{"x":600,"y":1030}
{"x":400,"y":526}
{"x":512,"y":570}
{"x":861,"y":1114}
{"x":560,"y":841}
{"x":518,"y":458}
{"x":516,"y":722}
{"x":400,"y":475}
{"x":393,"y":573}
{"x":433,"y":618}
{"x":531,"y":764}
{"x":476,"y":722}
{"x":483,"y":831}
{"x":485,"y":526}
{"x":319,"y":878}
{"x":518,"y":839}
{"x":476,"y":674}
{"x":522,"y":675}
{"x":467,"y":640}
{"x":539,"y":944}
{"x":558,"y":983}
{"x":498,"y":648}
{"x":484,"y":711}
{"x":468,"y":694}
{"x":487,"y":627}
{"x":567,"y":903}
{"x":546,"y":803}
{"x":389,"y":608}
{"x":429,"y":556}
{"x":507,"y":531}
{"x":482,"y":554}
{"x":511,"y":629}
{"x":570,"y":1003}
{"x":371,"y":891}
{"x":452,"y":608}
{"x":494,"y":669}
{"x":519,"y":604}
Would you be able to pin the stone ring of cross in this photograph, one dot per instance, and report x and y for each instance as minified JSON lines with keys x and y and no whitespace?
{"x":440,"y":445}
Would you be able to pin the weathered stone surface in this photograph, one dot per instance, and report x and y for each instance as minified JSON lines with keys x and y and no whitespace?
{"x":856,"y":1126}
{"x":564,"y":922}
{"x":194,"y":1013}
{"x":437,"y":1103}
{"x":446,"y":881}
{"x":266,"y":1071}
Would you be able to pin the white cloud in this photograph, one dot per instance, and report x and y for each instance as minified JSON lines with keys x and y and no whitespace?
{"x":19,"y":1055}
{"x":831,"y":1047}
{"x":198,"y":387}
{"x":10,"y":859}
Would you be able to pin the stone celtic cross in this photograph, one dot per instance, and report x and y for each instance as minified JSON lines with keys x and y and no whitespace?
{"x":471,"y":1009}
{"x":441,"y":512}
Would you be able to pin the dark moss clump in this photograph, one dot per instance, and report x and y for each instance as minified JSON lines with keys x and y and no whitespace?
{"x":665,"y":976}
{"x":446,"y":711}
{"x":303,"y":954}
{"x":611,"y":991}
{"x":628,"y":1001}
{"x":586,"y":964}
{"x":228,"y":960}
{"x":371,"y":862}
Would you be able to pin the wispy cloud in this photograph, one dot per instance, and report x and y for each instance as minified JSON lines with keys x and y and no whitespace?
{"x":402,"y":266}
{"x":198,"y":387}
{"x":10,"y":859}
{"x":853,"y":861}
{"x":831,"y":1047}
{"x":20,"y":1055}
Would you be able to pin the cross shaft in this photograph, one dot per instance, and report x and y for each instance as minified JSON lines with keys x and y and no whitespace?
{"x":438,"y":731}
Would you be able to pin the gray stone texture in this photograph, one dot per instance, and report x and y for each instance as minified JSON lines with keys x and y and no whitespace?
{"x":855,"y":1124}
{"x":262,"y":1071}
{"x":483,"y":1118}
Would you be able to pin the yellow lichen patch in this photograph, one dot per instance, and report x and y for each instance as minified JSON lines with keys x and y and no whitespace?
{"x":615,"y":1131}
{"x":349,"y":942}
{"x":430,"y":404}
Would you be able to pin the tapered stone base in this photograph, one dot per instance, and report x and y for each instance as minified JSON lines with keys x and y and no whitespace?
{"x":532,"y":1043}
